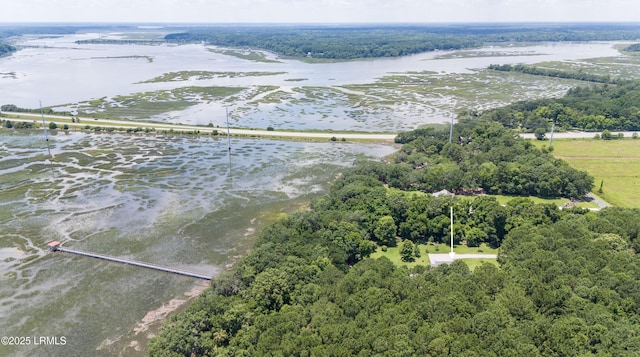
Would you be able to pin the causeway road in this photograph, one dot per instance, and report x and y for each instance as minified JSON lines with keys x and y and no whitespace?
{"x":576,"y":134}
{"x":259,"y":132}
{"x":60,"y":120}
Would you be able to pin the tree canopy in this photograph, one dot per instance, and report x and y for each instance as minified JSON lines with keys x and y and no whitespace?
{"x":568,"y":285}
{"x":368,"y":41}
{"x":483,"y":156}
{"x":595,"y":108}
{"x":6,"y":48}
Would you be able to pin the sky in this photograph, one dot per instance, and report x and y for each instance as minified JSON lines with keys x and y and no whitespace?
{"x":319,"y":11}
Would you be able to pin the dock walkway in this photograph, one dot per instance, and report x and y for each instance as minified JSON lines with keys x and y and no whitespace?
{"x":134,"y":263}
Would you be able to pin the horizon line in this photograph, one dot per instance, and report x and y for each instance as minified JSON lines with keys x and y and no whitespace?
{"x":175,"y":23}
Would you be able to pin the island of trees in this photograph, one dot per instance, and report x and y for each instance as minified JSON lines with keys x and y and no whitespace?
{"x":537,"y":71}
{"x":633,"y":48}
{"x":6,"y":49}
{"x":368,"y":41}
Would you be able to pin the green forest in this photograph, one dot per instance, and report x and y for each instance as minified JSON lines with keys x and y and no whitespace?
{"x":633,"y":48}
{"x":482,"y":157}
{"x":6,"y":49}
{"x":568,"y":283}
{"x":537,"y":71}
{"x":594,"y":108}
{"x":341,"y":42}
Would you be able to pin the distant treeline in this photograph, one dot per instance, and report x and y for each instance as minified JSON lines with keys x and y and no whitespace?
{"x":15,"y":109}
{"x":6,"y":48}
{"x":350,"y":42}
{"x":597,"y":108}
{"x":537,"y":71}
{"x":329,"y":43}
{"x":633,"y":48}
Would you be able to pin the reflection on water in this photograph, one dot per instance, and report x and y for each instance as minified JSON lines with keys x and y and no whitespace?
{"x":172,"y":201}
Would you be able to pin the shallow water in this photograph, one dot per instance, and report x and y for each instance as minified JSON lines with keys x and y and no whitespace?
{"x":181,"y":202}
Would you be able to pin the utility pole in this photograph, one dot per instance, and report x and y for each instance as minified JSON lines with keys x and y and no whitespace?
{"x":452,"y":253}
{"x":451,"y":129}
{"x":228,"y":133}
{"x":44,"y":127}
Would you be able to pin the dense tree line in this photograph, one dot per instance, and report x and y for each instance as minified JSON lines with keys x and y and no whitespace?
{"x":633,"y":48}
{"x":596,"y":108}
{"x":568,"y":283}
{"x":349,"y":42}
{"x":15,"y":109}
{"x":327,"y":42}
{"x":17,"y":125}
{"x":548,"y":72}
{"x":6,"y":49}
{"x":483,"y":156}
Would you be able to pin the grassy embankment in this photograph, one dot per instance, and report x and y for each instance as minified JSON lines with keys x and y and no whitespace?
{"x":614,"y":163}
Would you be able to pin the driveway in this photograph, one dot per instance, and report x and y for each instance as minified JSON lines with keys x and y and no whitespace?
{"x":439,"y":259}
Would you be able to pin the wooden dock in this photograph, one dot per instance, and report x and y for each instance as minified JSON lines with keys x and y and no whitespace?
{"x":131,"y":262}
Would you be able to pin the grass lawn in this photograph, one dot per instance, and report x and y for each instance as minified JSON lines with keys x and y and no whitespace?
{"x":393,"y":254}
{"x":615,"y":163}
{"x":474,"y":263}
{"x":460,"y":249}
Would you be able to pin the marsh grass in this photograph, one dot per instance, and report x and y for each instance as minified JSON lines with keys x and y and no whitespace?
{"x":249,"y":55}
{"x":205,"y":75}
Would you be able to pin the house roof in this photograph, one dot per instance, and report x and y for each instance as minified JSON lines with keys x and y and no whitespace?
{"x":442,"y":193}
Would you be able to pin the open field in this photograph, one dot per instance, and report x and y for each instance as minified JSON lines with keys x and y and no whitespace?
{"x":614,"y":163}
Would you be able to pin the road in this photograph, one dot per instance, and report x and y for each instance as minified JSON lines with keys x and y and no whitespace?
{"x":445,"y":258}
{"x":268,"y":133}
{"x":577,"y":135}
{"x":203,"y":129}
